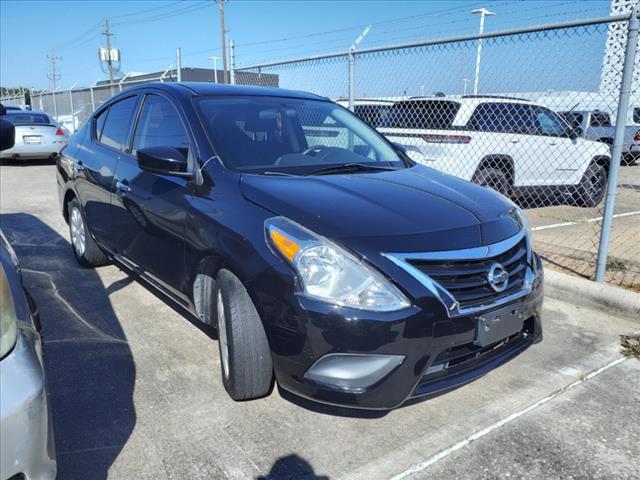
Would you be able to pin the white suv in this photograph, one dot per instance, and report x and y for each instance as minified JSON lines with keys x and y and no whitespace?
{"x":512,"y":145}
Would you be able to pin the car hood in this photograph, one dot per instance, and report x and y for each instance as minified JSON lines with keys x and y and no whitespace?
{"x":407,"y":210}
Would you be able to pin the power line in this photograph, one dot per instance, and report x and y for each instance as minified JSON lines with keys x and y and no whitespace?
{"x":359,"y":26}
{"x":147,"y":10}
{"x":164,"y":15}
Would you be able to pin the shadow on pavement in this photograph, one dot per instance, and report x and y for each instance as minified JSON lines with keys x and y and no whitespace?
{"x":292,"y":467}
{"x":89,"y":366}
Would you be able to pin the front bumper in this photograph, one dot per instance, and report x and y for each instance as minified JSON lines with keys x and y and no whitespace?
{"x":26,"y":434}
{"x":438,"y":352}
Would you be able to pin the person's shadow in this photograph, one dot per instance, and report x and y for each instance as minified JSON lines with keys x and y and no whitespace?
{"x":90,"y":372}
{"x":292,"y":467}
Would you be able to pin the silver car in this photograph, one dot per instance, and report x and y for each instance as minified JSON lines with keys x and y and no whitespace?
{"x":26,"y":436}
{"x":38,"y":136}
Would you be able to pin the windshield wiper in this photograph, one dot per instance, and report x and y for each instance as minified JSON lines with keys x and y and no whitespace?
{"x":283,"y":174}
{"x":350,"y":167}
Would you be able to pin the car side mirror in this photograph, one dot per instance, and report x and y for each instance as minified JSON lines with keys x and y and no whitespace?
{"x":7,"y":134}
{"x":575,"y":132}
{"x":163,"y":160}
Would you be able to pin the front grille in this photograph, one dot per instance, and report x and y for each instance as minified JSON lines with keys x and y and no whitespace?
{"x":466,"y":280}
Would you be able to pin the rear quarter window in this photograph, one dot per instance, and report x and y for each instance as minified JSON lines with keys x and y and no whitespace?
{"x":433,"y":115}
{"x":117,"y":124}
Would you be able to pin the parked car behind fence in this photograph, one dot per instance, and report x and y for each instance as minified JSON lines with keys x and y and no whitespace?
{"x":596,"y":125}
{"x":509,"y":144}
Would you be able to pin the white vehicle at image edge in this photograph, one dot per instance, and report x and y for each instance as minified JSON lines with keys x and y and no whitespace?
{"x":511,"y":145}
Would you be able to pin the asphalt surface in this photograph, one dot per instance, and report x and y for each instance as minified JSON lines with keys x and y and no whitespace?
{"x":136,"y":392}
{"x":568,"y":236}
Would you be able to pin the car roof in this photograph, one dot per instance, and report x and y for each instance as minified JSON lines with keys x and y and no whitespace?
{"x":216,"y":89}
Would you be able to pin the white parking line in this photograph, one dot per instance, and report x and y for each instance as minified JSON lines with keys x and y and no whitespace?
{"x":463,"y":443}
{"x":591,"y":220}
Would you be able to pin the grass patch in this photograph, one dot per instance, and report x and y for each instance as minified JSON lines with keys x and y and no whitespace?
{"x":630,"y":346}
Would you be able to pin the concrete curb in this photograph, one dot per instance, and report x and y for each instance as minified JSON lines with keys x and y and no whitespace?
{"x":603,"y":297}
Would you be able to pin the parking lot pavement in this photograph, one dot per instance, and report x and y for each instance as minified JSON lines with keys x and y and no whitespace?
{"x":135,"y":388}
{"x":567,"y":236}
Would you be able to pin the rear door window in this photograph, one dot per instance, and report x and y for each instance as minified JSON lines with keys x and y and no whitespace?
{"x":159,"y":125}
{"x":116,"y":126}
{"x":502,"y":118}
{"x":433,"y":115}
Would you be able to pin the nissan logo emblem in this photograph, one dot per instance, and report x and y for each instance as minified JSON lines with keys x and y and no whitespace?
{"x":498,"y":277}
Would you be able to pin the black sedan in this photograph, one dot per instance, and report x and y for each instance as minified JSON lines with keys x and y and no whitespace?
{"x":326,"y":259}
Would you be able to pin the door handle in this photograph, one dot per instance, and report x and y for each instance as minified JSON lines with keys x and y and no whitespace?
{"x":123,"y":186}
{"x":515,"y":140}
{"x":552,"y":143}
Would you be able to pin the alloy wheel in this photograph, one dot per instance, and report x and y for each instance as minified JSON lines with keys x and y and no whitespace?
{"x":78,"y":234}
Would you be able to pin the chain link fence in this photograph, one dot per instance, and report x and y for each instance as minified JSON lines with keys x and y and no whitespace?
{"x":14,"y":101}
{"x":530,"y":113}
{"x":71,"y":108}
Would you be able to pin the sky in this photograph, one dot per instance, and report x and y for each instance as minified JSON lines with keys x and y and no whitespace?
{"x":147,"y":32}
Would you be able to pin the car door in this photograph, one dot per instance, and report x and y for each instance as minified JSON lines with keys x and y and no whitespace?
{"x":149,"y":209}
{"x":565,"y":157}
{"x":95,"y":164}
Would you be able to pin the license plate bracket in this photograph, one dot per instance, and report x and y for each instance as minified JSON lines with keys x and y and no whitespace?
{"x":499,"y":324}
{"x":32,"y":139}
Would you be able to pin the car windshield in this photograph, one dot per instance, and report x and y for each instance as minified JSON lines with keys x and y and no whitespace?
{"x":276,"y":135}
{"x":27,"y":118}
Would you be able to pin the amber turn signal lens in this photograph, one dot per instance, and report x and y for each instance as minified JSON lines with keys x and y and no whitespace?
{"x":287,"y":247}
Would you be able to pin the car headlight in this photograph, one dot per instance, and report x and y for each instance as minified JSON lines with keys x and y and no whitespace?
{"x":329,"y":273}
{"x":8,"y":326}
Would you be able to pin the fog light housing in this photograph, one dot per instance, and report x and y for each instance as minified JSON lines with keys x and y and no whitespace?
{"x":352,"y":372}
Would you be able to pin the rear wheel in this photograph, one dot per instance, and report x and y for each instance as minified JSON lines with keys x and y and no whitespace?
{"x":247,"y":370}
{"x":85,"y":249}
{"x":493,"y":178}
{"x":591,"y":189}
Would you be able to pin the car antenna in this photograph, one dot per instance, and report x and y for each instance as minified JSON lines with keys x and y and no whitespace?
{"x":199,"y":178}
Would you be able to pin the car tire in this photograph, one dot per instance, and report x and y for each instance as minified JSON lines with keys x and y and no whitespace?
{"x":493,"y":178}
{"x":245,"y":356}
{"x":592,"y":187}
{"x":85,"y":248}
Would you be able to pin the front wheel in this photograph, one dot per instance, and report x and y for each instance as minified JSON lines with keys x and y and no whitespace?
{"x":493,"y":178}
{"x":85,"y":248}
{"x":592,"y":187}
{"x":247,"y":370}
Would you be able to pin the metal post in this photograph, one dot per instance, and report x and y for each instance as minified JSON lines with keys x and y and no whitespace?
{"x":351,"y":91}
{"x":483,"y":13}
{"x":179,"y":63}
{"x":232,"y":57}
{"x":73,"y":115}
{"x":616,"y":150}
{"x":55,"y":105}
{"x":93,"y":100}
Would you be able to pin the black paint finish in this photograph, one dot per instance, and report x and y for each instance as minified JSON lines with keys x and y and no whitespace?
{"x":168,"y":228}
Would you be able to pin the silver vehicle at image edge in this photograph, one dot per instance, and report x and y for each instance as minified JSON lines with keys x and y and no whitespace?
{"x":37,"y":136}
{"x":26,"y":435}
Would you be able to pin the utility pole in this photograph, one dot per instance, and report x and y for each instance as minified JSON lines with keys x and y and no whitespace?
{"x":483,"y":13}
{"x":223,"y":33}
{"x":53,"y":75}
{"x":107,"y":36}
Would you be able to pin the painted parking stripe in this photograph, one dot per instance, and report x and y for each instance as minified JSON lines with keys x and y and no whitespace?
{"x":471,"y":438}
{"x":591,"y":220}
